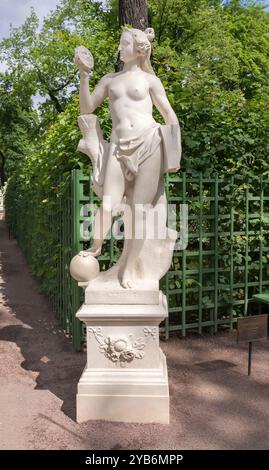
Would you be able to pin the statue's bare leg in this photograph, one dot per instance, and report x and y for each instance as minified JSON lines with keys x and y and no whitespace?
{"x":113,"y":193}
{"x":143,"y":193}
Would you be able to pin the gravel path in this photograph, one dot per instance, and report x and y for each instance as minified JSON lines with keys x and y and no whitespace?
{"x":214,"y":404}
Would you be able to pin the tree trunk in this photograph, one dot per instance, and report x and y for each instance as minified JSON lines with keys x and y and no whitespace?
{"x":2,"y":169}
{"x":133,"y":12}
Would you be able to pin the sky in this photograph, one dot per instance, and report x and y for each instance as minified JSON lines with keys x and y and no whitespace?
{"x":15,"y":12}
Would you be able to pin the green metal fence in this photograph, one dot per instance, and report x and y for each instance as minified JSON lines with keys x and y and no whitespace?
{"x":64,"y":293}
{"x":209,"y":283}
{"x":227,"y":257}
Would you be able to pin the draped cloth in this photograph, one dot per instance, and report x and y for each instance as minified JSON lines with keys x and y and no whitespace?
{"x":131,"y":152}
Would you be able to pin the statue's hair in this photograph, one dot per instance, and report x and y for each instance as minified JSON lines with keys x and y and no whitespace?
{"x":142,"y":41}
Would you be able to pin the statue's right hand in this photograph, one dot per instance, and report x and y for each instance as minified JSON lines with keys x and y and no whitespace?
{"x":84,"y":73}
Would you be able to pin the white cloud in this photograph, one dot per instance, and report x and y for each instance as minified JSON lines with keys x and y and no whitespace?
{"x":15,"y":11}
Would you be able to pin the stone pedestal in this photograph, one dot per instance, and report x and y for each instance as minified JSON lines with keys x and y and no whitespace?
{"x":125,"y":378}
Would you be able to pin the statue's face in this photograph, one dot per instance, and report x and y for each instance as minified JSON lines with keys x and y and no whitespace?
{"x":126,"y":48}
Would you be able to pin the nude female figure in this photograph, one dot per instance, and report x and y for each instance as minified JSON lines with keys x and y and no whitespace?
{"x":132,"y":93}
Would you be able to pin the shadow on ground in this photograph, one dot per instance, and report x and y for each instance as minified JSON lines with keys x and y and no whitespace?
{"x":32,"y":325}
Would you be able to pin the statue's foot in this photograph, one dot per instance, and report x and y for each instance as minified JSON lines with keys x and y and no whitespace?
{"x":93,"y":251}
{"x":127,"y":281}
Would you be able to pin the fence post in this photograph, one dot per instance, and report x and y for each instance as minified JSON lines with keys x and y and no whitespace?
{"x":216,"y":251}
{"x":246,"y":248}
{"x":75,"y":209}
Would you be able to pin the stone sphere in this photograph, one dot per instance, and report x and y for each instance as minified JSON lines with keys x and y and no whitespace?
{"x":84,"y":267}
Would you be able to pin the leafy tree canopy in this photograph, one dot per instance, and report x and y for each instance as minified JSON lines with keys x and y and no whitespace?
{"x":18,"y":123}
{"x":213,"y":59}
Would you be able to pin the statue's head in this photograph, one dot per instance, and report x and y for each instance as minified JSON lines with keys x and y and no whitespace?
{"x":135,"y":43}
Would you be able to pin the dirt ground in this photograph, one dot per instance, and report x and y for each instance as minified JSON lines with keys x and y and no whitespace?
{"x":214,"y":404}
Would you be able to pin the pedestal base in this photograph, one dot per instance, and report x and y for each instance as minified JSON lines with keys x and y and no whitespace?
{"x":137,"y":396}
{"x":126,"y":375}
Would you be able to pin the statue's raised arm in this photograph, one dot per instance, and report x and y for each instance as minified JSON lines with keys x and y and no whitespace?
{"x":85,"y":63}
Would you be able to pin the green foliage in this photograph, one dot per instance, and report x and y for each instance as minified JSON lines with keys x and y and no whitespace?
{"x":213,"y":62}
{"x":17,"y":125}
{"x":34,"y":192}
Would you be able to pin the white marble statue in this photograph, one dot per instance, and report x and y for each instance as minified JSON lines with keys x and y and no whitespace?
{"x":128,"y":171}
{"x":125,"y":378}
